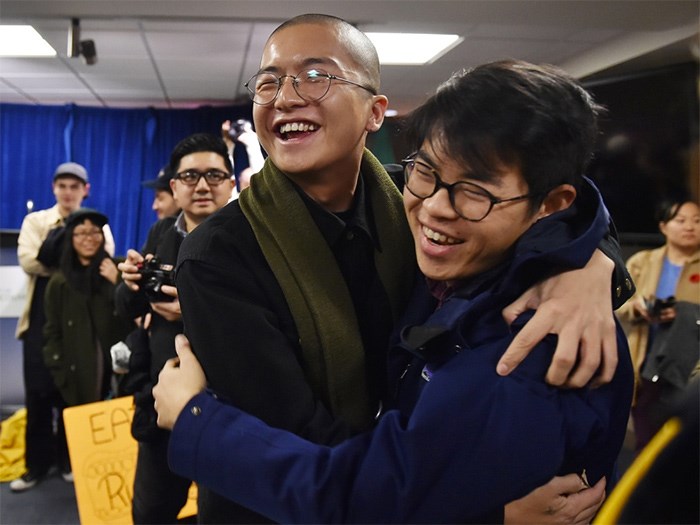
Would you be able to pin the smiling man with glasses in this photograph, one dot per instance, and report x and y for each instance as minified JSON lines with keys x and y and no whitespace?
{"x":470,"y":201}
{"x":202,"y":185}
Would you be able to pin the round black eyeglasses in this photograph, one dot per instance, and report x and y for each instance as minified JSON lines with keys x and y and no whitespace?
{"x":470,"y":201}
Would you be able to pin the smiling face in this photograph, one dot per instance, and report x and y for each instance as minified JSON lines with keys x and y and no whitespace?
{"x":88,"y":240}
{"x":201,"y":200}
{"x":320,"y":140}
{"x":449,"y":248}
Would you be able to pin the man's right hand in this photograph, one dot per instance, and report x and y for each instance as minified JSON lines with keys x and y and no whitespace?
{"x":130,"y":269}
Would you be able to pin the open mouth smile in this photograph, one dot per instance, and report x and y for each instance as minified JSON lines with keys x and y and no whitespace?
{"x":439,"y":238}
{"x":290,"y":130}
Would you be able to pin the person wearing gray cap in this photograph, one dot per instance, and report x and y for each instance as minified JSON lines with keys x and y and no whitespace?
{"x":45,"y":447}
{"x":163,"y":203}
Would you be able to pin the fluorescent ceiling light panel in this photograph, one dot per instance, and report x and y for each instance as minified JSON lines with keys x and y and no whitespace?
{"x":23,"y":41}
{"x":412,"y":48}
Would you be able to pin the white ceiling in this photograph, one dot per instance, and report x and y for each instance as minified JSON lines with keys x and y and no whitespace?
{"x":172,"y":53}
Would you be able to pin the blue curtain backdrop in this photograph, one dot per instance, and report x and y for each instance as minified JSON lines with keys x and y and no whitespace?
{"x":119,"y":147}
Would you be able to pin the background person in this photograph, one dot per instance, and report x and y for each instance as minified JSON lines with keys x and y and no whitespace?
{"x":201,"y":184}
{"x":241,"y":132}
{"x":163,"y":202}
{"x":81,"y":322}
{"x":670,"y":271}
{"x":45,"y":441}
{"x":461,"y":441}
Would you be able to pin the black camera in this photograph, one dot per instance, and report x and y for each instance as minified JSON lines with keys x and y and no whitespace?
{"x":654,"y":306}
{"x":238,"y":128}
{"x":154,"y":275}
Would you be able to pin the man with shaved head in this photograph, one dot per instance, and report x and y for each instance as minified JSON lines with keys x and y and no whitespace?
{"x":290,"y":293}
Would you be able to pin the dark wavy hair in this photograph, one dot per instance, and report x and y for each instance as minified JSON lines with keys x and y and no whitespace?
{"x":512,"y":114}
{"x":85,"y":279}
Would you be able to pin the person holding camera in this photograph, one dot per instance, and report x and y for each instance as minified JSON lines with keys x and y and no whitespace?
{"x":661,"y":316}
{"x":201,"y":184}
{"x":241,"y":132}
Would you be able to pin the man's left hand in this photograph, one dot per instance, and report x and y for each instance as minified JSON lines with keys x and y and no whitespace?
{"x":565,"y":499}
{"x":180,"y":380}
{"x":170,"y":310}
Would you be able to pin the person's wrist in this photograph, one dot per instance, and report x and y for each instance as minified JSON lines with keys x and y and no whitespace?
{"x":183,"y":405}
{"x":191,"y":406}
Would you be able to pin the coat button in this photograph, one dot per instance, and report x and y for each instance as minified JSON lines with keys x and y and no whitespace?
{"x":628,"y":284}
{"x":72,"y":368}
{"x":55,"y":357}
{"x":618,"y":291}
{"x":70,"y":322}
{"x":195,"y":410}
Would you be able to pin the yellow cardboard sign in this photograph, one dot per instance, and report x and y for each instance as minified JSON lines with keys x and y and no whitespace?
{"x":103,"y":456}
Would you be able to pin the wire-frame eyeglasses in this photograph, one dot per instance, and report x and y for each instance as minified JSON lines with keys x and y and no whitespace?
{"x":311,"y":85}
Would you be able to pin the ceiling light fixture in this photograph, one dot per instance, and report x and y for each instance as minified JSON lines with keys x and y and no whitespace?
{"x":412,"y":48}
{"x":23,"y":41}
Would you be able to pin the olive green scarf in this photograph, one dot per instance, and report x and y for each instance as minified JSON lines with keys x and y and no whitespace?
{"x":314,"y":287}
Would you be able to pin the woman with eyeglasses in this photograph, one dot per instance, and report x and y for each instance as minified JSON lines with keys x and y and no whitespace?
{"x":81,"y":321}
{"x":494,"y":196}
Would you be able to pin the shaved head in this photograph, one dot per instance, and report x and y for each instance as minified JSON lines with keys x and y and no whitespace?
{"x":352,"y":39}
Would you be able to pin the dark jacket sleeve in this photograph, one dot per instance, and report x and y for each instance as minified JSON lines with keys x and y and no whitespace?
{"x":622,"y":286}
{"x":50,"y":251}
{"x":128,"y":303}
{"x":52,"y":349}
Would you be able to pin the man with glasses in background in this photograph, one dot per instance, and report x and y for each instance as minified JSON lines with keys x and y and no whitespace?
{"x":289,"y":294}
{"x":201,"y":184}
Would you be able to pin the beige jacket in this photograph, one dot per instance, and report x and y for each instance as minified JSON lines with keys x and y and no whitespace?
{"x":35,"y":228}
{"x":645,"y":269}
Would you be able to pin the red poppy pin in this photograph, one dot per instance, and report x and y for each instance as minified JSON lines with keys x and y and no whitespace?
{"x":695,"y":278}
